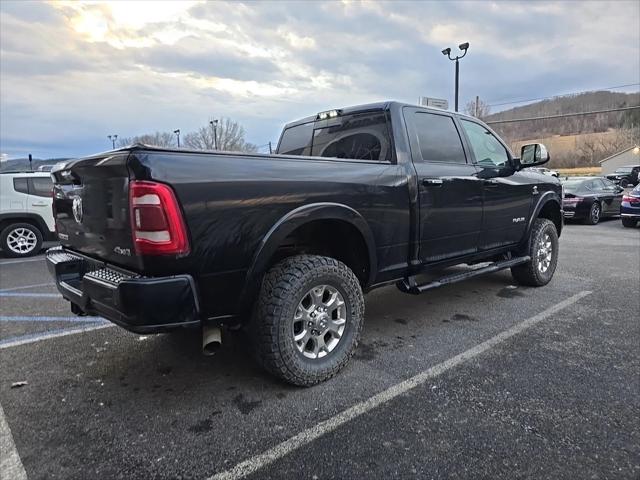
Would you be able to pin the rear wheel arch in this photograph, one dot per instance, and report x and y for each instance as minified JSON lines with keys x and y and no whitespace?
{"x":328,"y":229}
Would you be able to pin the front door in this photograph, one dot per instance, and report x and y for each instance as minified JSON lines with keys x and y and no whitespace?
{"x":450,"y":192}
{"x":507,"y":195}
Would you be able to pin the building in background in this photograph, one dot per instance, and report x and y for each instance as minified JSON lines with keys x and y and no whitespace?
{"x":629,"y":156}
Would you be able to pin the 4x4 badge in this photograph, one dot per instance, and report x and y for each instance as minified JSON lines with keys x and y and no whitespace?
{"x":77,"y":209}
{"x":535,"y":190}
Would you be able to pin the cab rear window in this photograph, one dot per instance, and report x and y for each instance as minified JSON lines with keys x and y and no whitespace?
{"x":360,"y":136}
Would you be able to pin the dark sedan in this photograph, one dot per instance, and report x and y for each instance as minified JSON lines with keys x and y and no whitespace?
{"x":590,"y":199}
{"x":630,"y":208}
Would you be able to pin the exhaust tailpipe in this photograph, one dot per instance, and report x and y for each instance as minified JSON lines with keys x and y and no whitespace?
{"x":211,"y":340}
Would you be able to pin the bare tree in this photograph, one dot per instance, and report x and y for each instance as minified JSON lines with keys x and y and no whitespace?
{"x":229,"y":135}
{"x":158,"y":139}
{"x":479,"y":111}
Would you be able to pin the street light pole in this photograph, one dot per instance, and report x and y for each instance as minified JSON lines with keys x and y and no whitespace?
{"x":177,"y":132}
{"x":447,"y":52}
{"x":214,"y":127}
{"x":113,"y":139}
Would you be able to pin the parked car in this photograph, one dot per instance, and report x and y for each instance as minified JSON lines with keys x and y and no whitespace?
{"x":625,"y":176}
{"x":26,"y":218}
{"x":630,"y":208}
{"x":590,"y":199}
{"x":545,"y":171}
{"x":285,"y":245}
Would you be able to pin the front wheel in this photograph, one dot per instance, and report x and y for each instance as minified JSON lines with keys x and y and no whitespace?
{"x":594,"y":214}
{"x":543,"y":250}
{"x":624,"y":183}
{"x":308,"y":319}
{"x":629,"y":222}
{"x":21,"y":240}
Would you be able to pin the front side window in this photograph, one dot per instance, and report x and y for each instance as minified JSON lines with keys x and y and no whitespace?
{"x":486,"y":148}
{"x":438,"y":138}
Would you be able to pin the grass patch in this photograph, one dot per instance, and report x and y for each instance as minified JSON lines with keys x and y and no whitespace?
{"x":580,"y":171}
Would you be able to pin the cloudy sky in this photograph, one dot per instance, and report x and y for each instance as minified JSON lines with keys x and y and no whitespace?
{"x":74,"y":72}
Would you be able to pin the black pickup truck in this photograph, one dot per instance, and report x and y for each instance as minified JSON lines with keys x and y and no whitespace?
{"x":285,"y":245}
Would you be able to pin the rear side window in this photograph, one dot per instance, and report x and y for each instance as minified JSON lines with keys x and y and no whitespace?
{"x":360,"y":136}
{"x":40,"y":186}
{"x":20,"y":185}
{"x":438,"y":138}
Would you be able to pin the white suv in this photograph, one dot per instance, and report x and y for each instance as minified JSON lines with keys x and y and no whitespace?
{"x":26,"y":216}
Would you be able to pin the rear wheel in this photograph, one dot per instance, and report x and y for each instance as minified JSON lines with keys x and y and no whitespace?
{"x":21,"y":240}
{"x":543,"y":250}
{"x":308,"y":319}
{"x":594,"y":214}
{"x":624,"y":183}
{"x":629,"y":222}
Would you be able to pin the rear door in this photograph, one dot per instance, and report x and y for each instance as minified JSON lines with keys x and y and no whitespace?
{"x":507,"y":195}
{"x":610,"y":195}
{"x":450,"y":192}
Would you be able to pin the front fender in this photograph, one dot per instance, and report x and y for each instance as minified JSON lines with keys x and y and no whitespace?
{"x":295,"y":219}
{"x":542,"y":202}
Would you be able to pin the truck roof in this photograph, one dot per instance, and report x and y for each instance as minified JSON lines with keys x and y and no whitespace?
{"x":384,"y":105}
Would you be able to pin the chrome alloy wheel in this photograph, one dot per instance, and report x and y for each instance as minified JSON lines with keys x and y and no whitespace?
{"x":319,"y":321}
{"x":21,"y":240}
{"x":544,"y":253}
{"x":595,"y":213}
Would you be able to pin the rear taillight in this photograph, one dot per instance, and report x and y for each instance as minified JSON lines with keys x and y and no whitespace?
{"x":157,"y":224}
{"x":630,"y":199}
{"x":571,"y":200}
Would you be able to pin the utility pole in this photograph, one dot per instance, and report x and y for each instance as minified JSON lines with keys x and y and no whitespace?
{"x":476,"y":109}
{"x":30,"y":162}
{"x":177,"y":132}
{"x":270,"y":151}
{"x":447,"y":52}
{"x":214,"y":127}
{"x":113,"y":139}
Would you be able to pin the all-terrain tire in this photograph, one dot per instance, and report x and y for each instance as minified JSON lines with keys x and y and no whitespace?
{"x":538,"y":271}
{"x":11,"y":244}
{"x":271,"y":328}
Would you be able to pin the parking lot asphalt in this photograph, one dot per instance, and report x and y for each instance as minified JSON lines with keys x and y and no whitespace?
{"x":479,"y":379}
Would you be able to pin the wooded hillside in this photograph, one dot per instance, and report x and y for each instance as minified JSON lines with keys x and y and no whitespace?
{"x":576,"y":140}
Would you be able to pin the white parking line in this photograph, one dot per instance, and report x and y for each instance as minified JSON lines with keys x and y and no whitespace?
{"x":10,"y":463}
{"x":54,"y":334}
{"x":257,"y":462}
{"x":25,"y":260}
{"x":24,"y":287}
{"x":30,"y":295}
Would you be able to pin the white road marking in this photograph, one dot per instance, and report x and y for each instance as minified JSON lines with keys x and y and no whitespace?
{"x":24,"y":287}
{"x":58,"y":333}
{"x":259,"y":461}
{"x":10,"y":463}
{"x":30,"y":295}
{"x":25,"y":260}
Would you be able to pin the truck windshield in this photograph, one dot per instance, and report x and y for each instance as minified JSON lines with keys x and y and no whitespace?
{"x":359,"y":136}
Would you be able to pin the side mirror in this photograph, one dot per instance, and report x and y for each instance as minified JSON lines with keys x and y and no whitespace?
{"x":533,"y":154}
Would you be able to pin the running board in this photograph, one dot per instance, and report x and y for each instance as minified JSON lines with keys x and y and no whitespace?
{"x":409,"y":285}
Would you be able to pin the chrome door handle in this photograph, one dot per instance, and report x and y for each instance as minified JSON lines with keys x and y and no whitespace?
{"x":39,"y":204}
{"x":432,"y":182}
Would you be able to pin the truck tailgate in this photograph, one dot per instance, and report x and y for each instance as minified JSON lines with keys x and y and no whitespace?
{"x":91,"y":208}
